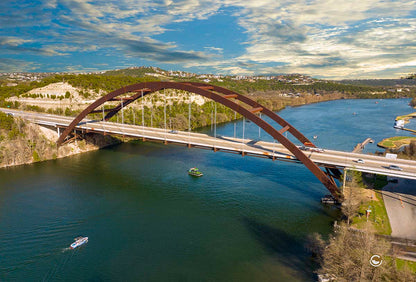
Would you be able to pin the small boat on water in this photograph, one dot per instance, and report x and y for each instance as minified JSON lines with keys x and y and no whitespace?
{"x":195,"y":172}
{"x":78,"y":242}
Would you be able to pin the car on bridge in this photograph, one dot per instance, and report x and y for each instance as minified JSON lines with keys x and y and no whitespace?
{"x":312,"y":149}
{"x":360,"y":161}
{"x":319,"y":150}
{"x":394,"y":167}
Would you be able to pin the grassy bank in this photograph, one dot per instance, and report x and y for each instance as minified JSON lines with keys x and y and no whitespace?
{"x":363,"y":193}
{"x":396,"y":142}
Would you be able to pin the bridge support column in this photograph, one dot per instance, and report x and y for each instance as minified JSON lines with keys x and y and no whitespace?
{"x":343,"y":181}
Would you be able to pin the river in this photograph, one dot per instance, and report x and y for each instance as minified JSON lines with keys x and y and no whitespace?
{"x":246,"y":219}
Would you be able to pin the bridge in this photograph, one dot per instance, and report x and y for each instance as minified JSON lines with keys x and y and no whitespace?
{"x":313,"y":158}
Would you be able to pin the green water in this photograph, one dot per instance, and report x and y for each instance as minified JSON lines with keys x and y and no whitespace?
{"x":246,"y":219}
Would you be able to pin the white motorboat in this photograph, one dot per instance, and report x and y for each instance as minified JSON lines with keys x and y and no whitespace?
{"x":78,"y":242}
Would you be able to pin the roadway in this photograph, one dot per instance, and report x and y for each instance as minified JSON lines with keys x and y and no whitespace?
{"x":327,"y":158}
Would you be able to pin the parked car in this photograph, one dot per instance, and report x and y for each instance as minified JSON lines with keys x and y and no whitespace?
{"x":394,"y":167}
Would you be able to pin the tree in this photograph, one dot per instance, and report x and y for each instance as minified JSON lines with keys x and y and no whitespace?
{"x":347,"y":256}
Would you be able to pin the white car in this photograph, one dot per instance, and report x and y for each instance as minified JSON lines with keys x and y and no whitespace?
{"x":360,"y":161}
{"x":319,"y":150}
{"x":394,"y":167}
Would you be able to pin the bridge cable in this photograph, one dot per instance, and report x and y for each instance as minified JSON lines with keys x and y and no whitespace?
{"x":189,"y":120}
{"x":122,"y":116}
{"x":259,"y":127}
{"x":242,"y":144}
{"x":103,"y":120}
{"x":215,"y":123}
{"x":212,"y":116}
{"x":151,"y":113}
{"x":122,"y":112}
{"x":274,"y":147}
{"x":142,"y":113}
{"x":134,"y":117}
{"x":164,"y":109}
{"x":235,"y":124}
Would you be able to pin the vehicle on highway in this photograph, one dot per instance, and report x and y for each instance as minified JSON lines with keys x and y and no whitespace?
{"x":173,"y":131}
{"x":319,"y":150}
{"x":394,"y":167}
{"x":360,"y":161}
{"x":312,"y":149}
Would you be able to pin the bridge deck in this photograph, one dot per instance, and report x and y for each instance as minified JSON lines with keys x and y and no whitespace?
{"x":329,"y":158}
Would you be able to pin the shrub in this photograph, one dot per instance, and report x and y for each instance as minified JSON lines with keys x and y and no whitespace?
{"x":35,"y":156}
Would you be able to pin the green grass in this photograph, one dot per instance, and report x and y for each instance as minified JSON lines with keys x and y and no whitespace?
{"x":395,"y":142}
{"x":378,"y":216}
{"x":406,"y":117}
{"x":411,"y":265}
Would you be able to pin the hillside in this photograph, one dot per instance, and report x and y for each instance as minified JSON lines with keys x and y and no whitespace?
{"x":70,"y":93}
{"x":22,"y":142}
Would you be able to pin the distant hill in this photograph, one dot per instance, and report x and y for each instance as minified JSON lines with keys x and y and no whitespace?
{"x":379,"y":82}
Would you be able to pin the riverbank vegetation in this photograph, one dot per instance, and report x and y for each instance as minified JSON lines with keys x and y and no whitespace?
{"x":403,"y":146}
{"x":413,"y":103}
{"x":397,"y":142}
{"x":346,"y":255}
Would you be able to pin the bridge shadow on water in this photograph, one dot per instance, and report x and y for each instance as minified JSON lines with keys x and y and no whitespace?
{"x":286,"y":248}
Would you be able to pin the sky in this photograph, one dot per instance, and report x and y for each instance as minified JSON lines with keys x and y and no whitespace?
{"x":330,"y":39}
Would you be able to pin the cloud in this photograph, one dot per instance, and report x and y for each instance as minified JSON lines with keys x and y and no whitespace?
{"x":214,"y":49}
{"x":325,"y":38}
{"x":12,"y":41}
{"x":161,"y":52}
{"x":13,"y":65}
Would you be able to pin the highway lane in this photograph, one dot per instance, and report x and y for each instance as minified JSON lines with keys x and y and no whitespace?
{"x":341,"y":159}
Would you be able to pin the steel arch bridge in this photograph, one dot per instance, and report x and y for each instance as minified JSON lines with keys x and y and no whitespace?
{"x":237,"y":102}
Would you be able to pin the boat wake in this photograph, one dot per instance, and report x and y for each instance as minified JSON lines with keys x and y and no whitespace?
{"x":59,"y":265}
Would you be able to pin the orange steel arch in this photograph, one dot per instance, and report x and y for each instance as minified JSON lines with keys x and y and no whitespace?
{"x":222,"y":96}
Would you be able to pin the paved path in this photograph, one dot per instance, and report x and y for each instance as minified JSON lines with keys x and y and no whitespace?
{"x":400,"y":201}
